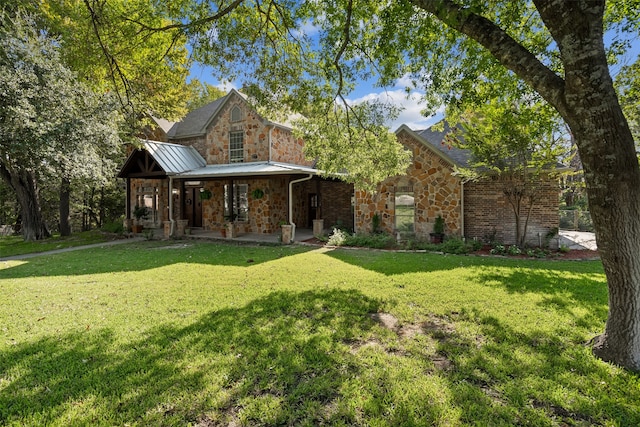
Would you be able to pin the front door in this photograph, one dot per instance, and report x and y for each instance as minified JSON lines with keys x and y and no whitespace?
{"x":313,"y":208}
{"x":192,"y":207}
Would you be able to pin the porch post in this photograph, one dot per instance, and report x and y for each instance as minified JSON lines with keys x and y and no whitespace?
{"x":127,"y":204}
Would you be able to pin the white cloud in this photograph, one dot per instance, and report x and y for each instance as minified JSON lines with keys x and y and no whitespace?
{"x":410,"y":105}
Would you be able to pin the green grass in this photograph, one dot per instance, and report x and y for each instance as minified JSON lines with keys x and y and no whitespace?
{"x":194,"y":333}
{"x":15,"y":245}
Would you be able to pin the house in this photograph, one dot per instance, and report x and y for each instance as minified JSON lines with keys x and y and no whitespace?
{"x":410,"y":204}
{"x":226,"y":163}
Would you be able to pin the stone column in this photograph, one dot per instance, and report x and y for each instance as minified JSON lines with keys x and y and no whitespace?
{"x":167,"y":229}
{"x":231,"y":230}
{"x":182,"y":225}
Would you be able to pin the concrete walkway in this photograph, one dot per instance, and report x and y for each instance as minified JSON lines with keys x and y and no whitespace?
{"x":301,"y":235}
{"x":578,"y":240}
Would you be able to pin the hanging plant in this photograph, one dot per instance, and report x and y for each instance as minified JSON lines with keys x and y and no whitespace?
{"x":257,"y":193}
{"x":205,"y":194}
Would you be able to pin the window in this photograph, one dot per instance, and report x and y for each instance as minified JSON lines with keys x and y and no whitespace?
{"x":236,"y":114}
{"x":405,"y":208}
{"x":236,"y":149}
{"x":148,"y":197}
{"x":240,"y":202}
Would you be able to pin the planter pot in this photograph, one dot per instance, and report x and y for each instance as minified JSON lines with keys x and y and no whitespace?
{"x":223,"y":231}
{"x":136,"y":228}
{"x":287,"y":233}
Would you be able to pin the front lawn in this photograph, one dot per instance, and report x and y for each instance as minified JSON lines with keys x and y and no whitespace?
{"x":15,"y":245}
{"x":203,"y":334}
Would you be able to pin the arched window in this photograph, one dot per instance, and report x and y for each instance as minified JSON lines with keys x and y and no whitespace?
{"x":236,"y":114}
{"x":405,"y":208}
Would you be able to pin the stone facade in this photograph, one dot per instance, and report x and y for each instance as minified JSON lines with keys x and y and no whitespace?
{"x":262,"y":141}
{"x":265,"y":213}
{"x":152,"y":193}
{"x":436,"y":192}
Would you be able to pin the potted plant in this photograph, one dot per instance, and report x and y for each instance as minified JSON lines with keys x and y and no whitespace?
{"x":140,"y":213}
{"x":438,"y":230}
{"x":205,"y":194}
{"x":257,"y":193}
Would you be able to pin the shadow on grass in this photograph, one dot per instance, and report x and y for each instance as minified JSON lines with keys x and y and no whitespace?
{"x":563,"y":283}
{"x":535,"y":378}
{"x":313,"y":358}
{"x":148,"y":255}
{"x":276,"y":359}
{"x":563,"y":287}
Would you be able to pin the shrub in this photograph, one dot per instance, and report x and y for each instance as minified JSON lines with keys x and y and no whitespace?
{"x":337,"y":238}
{"x":498,"y":249}
{"x":377,"y":241}
{"x":514,"y":250}
{"x":115,"y":227}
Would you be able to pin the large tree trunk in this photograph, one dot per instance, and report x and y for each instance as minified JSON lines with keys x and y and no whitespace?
{"x":65,"y":196}
{"x":611,"y":169}
{"x":24,"y":185}
{"x":587,"y":101}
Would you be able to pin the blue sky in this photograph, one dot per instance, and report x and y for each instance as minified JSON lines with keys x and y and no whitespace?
{"x":397,"y":95}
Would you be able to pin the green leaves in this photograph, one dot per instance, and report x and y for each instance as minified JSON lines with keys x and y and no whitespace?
{"x":352,"y":141}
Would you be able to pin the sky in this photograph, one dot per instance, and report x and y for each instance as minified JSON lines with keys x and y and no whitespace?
{"x":365,"y":91}
{"x":411,"y":107}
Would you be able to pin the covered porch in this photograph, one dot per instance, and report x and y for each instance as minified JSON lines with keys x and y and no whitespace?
{"x":239,"y":199}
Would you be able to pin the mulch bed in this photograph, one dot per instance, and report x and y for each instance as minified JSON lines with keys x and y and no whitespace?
{"x":486,"y":251}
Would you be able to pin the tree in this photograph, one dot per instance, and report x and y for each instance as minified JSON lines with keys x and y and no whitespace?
{"x":555,"y":47}
{"x":518,"y":145}
{"x":201,"y":94}
{"x":51,"y":125}
{"x":150,"y":74}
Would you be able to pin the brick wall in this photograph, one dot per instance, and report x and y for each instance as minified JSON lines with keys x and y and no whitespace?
{"x":334,"y":200}
{"x":489,"y":215}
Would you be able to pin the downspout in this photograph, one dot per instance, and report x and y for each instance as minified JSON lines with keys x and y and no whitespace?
{"x":171,"y":206}
{"x":295,"y":181}
{"x":269,"y":141}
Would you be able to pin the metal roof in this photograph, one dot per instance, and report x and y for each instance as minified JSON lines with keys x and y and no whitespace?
{"x":247,"y":169}
{"x":174,"y":158}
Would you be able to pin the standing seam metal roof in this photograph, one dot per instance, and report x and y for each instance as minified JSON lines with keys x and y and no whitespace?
{"x":174,"y":158}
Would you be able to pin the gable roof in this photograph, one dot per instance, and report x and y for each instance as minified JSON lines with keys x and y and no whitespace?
{"x":161,"y":159}
{"x":196,"y":122}
{"x":435,"y":141}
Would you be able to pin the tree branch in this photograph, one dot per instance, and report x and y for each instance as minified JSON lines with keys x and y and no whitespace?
{"x":503,"y":47}
{"x":212,"y":18}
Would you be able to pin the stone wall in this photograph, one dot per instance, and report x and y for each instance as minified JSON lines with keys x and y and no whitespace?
{"x":436,"y":192}
{"x":490,"y":216}
{"x":214,"y":146}
{"x":151,"y":187}
{"x":265,"y":213}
